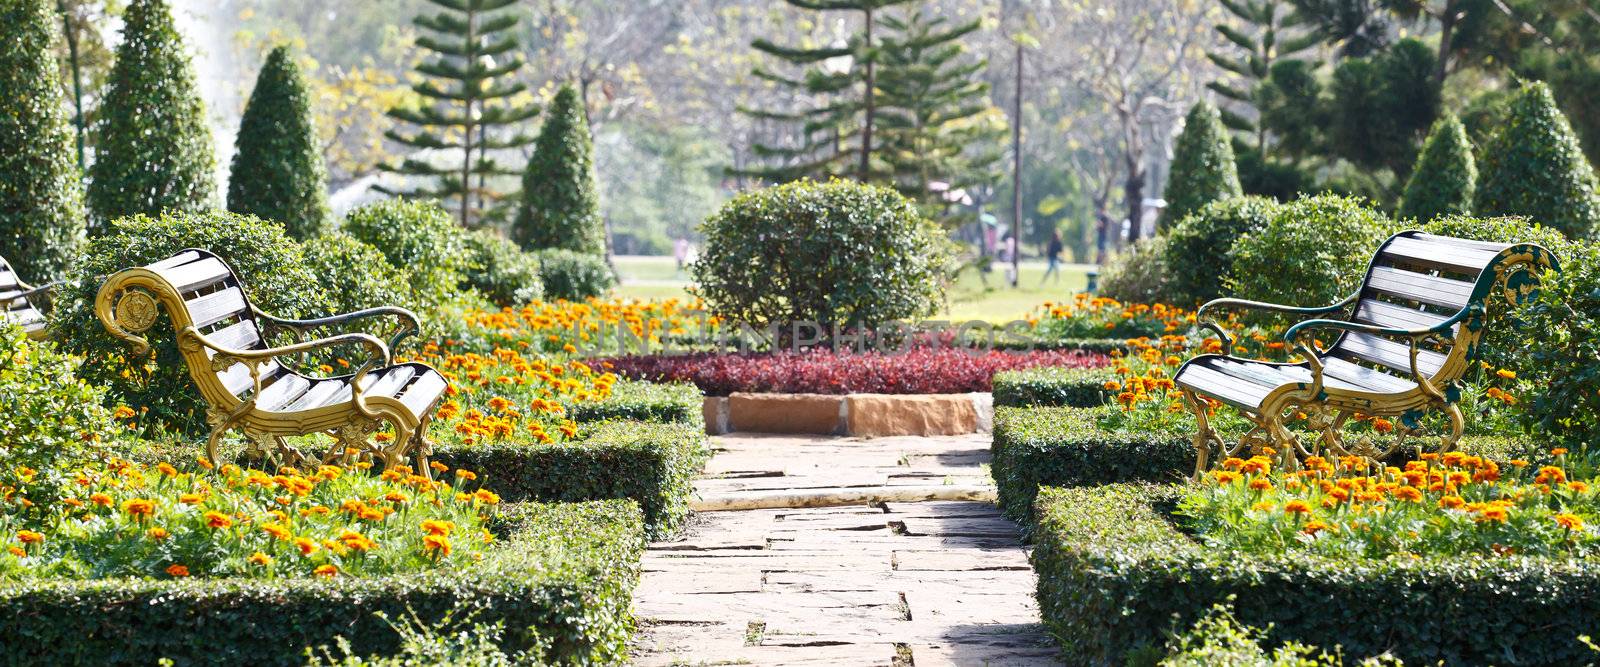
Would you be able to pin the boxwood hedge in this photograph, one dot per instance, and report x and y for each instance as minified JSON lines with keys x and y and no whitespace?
{"x":653,"y":464}
{"x":1050,"y":386}
{"x":670,"y":403}
{"x":1116,"y":575}
{"x":562,"y":582}
{"x":1061,"y":446}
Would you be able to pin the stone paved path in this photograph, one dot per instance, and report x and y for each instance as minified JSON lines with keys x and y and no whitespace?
{"x":898,"y":584}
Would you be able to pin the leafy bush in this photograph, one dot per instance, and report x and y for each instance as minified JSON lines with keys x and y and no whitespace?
{"x":1197,"y":249}
{"x":840,"y":254}
{"x":1219,"y":639}
{"x":676,"y":403}
{"x":53,"y":421}
{"x":573,"y":276}
{"x":355,"y":275}
{"x":1051,"y":386}
{"x":1313,"y":252}
{"x":560,"y":203}
{"x":1035,"y":447}
{"x":502,"y":271}
{"x":1139,"y":274}
{"x":451,"y":641}
{"x":277,"y":168}
{"x":1446,"y":176}
{"x":943,"y":370}
{"x":153,"y":151}
{"x":562,"y":579}
{"x":1116,"y":574}
{"x":1560,"y":346}
{"x":1535,"y":167}
{"x":270,"y":264}
{"x":419,"y":237}
{"x":1203,"y":170}
{"x":652,"y":464}
{"x":1086,"y":317}
{"x":41,"y":200}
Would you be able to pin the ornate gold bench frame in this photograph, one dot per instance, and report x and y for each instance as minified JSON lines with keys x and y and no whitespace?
{"x":241,"y":377}
{"x":1395,"y":355}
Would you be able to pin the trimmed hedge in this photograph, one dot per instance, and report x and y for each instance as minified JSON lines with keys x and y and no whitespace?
{"x":562,"y":582}
{"x":671,"y":403}
{"x":1064,"y":446}
{"x":1052,"y":387}
{"x":1096,"y":345}
{"x":1116,"y":575}
{"x":652,"y":464}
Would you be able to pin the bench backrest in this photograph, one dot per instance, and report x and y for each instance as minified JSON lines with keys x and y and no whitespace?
{"x":13,"y":308}
{"x":199,"y":290}
{"x":1418,"y":281}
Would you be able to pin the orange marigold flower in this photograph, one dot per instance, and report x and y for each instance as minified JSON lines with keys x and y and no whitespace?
{"x":190,"y":498}
{"x":278,"y":531}
{"x":1408,"y":493}
{"x":1260,"y":484}
{"x":100,"y":499}
{"x":487,"y":497}
{"x":1313,"y":527}
{"x":1578,"y":487}
{"x":1225,"y":476}
{"x":218,"y":520}
{"x":306,"y":546}
{"x":436,"y":543}
{"x":16,"y":551}
{"x":437,"y":527}
{"x":158,"y":533}
{"x":29,"y":537}
{"x":1297,"y":507}
{"x":176,"y":570}
{"x":1569,"y":521}
{"x":261,"y":559}
{"x":325,"y":570}
{"x":466,"y":475}
{"x":1559,"y":451}
{"x":1452,"y":502}
{"x":139,"y":508}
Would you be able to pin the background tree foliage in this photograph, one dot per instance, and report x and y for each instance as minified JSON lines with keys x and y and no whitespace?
{"x":277,"y":170}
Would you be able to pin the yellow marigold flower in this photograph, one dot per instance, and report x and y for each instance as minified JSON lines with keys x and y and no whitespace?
{"x":29,"y":537}
{"x":325,"y":570}
{"x":1559,"y":451}
{"x":176,"y":570}
{"x":1494,"y":513}
{"x":158,"y":533}
{"x":278,"y":531}
{"x":204,"y":462}
{"x":218,"y":520}
{"x":1518,"y":463}
{"x":371,"y":514}
{"x":191,"y":498}
{"x":1507,"y":374}
{"x":261,"y":559}
{"x":437,"y":527}
{"x":1569,"y":521}
{"x":1225,"y":476}
{"x":122,"y":412}
{"x":487,"y":497}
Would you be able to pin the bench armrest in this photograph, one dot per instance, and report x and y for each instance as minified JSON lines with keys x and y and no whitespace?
{"x":1412,"y":336}
{"x":409,"y":324}
{"x":30,"y":291}
{"x":1244,"y":304}
{"x":378,"y":353}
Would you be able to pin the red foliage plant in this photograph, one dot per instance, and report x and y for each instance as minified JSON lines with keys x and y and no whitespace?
{"x":822,"y":371}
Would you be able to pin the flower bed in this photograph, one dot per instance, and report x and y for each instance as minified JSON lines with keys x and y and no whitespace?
{"x":561,"y":579}
{"x":652,"y":464}
{"x":1116,"y":573}
{"x":919,"y":371}
{"x":566,"y":326}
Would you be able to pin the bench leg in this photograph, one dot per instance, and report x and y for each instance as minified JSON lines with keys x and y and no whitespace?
{"x":1458,"y":426}
{"x":1204,"y":437}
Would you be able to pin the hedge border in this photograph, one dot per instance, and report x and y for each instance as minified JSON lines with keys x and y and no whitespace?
{"x":663,"y":403}
{"x":566,"y":573}
{"x":653,"y":464}
{"x":1116,"y":576}
{"x":1053,"y":387}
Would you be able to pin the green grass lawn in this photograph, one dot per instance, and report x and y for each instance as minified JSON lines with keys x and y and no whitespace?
{"x":969,"y":299}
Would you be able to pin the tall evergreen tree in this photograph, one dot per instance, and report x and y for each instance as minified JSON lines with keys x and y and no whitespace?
{"x":1203,"y":170}
{"x":41,"y":198}
{"x":1446,"y":175}
{"x":1535,"y":167}
{"x":277,"y":168}
{"x":937,"y":123}
{"x":153,"y":150}
{"x":468,"y":97}
{"x":1264,"y":34}
{"x":560,"y":204}
{"x":849,"y":115}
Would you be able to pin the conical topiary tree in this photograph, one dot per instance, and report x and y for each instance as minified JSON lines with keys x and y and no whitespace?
{"x":41,"y":200}
{"x":277,"y":168}
{"x":1445,"y":177}
{"x":1534,"y":167}
{"x":560,"y":205}
{"x":153,"y":150}
{"x":1203,"y":170}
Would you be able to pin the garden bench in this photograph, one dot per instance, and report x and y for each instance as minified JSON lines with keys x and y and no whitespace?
{"x":18,"y":302}
{"x":251,"y":386}
{"x":1399,"y":345}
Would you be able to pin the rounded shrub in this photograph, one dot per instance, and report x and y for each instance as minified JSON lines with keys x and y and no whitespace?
{"x":1313,"y":252}
{"x":41,"y":200}
{"x":1197,"y":248}
{"x":1535,"y":167}
{"x":422,"y":239}
{"x":1203,"y":169}
{"x":277,"y":170}
{"x":355,"y":275}
{"x":560,"y":201}
{"x":1559,"y":344}
{"x":1446,"y":175}
{"x":52,"y":420}
{"x":1139,"y":274}
{"x":270,"y":264}
{"x":573,"y":276}
{"x":153,"y":149}
{"x":838,"y":253}
{"x":502,"y":272}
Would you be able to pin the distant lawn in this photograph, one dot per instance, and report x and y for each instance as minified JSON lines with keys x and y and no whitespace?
{"x":656,"y":278}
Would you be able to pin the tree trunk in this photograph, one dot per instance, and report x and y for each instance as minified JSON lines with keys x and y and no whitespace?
{"x":1447,"y":26}
{"x":1134,"y":189}
{"x":467,"y":127}
{"x":77,"y":80}
{"x":1016,"y":177}
{"x":866,"y":123}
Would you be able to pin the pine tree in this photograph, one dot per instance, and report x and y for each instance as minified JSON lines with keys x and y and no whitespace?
{"x":1534,"y":167}
{"x":41,"y":200}
{"x":277,"y":168}
{"x":1203,"y":170}
{"x":468,"y":97}
{"x":848,"y":116}
{"x":153,"y":150}
{"x":560,"y":203}
{"x":937,"y":123}
{"x":1266,"y":37}
{"x":1445,"y":177}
